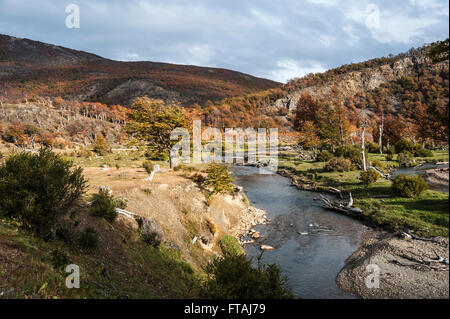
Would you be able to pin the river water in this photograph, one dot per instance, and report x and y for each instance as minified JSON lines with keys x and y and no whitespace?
{"x":313,"y":260}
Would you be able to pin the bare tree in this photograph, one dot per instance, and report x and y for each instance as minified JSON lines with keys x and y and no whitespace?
{"x":380,"y":133}
{"x":364,"y":124}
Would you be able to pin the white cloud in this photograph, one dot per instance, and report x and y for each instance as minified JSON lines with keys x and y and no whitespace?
{"x":200,"y":55}
{"x":274,"y":39}
{"x":132,"y":56}
{"x":288,"y":69}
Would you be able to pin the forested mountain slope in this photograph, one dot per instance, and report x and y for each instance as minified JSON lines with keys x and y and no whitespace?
{"x":29,"y":68}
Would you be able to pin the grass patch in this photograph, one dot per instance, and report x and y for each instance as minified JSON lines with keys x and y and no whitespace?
{"x":130,"y":270}
{"x":427,"y":214}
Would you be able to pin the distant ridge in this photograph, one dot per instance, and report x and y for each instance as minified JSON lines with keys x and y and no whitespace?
{"x":34,"y":68}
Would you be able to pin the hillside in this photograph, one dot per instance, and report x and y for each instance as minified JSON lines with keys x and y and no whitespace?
{"x":121,"y":264}
{"x":407,"y":86}
{"x":30,"y":68}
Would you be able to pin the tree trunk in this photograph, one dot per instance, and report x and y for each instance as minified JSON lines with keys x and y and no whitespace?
{"x":363,"y":145}
{"x":380,"y":138}
{"x":170,"y":160}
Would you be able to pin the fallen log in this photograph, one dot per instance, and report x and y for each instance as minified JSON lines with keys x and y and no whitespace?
{"x":126,"y":213}
{"x":337,"y":206}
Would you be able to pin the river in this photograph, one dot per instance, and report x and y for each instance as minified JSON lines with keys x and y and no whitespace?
{"x":313,"y":260}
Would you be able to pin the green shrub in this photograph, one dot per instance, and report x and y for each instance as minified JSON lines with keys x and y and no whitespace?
{"x":149,"y":166}
{"x":349,"y":152}
{"x":369,"y":177}
{"x":405,"y":159}
{"x":389,"y":157}
{"x":59,"y":258}
{"x":230,"y":246}
{"x":234,"y":277}
{"x":65,"y":234}
{"x":179,"y":167}
{"x":409,"y":186}
{"x":152,"y":239}
{"x":219,"y":179}
{"x":404,"y":145}
{"x":423,"y":152}
{"x":324,"y":156}
{"x":390,"y":150}
{"x":88,"y":239}
{"x":380,"y":165}
{"x":373,"y":148}
{"x":100,"y":145}
{"x":104,"y":205}
{"x":157,"y":156}
{"x":339,"y":164}
{"x":36,"y":188}
{"x":199,"y":179}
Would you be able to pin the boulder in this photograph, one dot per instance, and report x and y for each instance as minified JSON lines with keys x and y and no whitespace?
{"x":267,"y":247}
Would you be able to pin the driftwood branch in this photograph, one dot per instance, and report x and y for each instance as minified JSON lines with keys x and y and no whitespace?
{"x":118,"y":210}
{"x":339,"y":207}
{"x":126,"y":213}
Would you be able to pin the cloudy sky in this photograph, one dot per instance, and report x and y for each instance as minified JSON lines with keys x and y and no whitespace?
{"x":276,"y":39}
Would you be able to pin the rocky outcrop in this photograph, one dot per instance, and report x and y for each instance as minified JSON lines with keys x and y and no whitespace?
{"x":352,"y":83}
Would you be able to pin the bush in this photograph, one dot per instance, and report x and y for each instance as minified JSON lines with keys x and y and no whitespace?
{"x":405,"y":159}
{"x":199,"y":179}
{"x":234,"y":277}
{"x":211,"y":226}
{"x":339,"y":164}
{"x":157,"y":156}
{"x":65,"y":234}
{"x":389,"y":157}
{"x":230,"y":246}
{"x":104,"y":205}
{"x":37,"y":188}
{"x":324,"y":156}
{"x":423,"y":152}
{"x":379,"y":164}
{"x":369,"y":177}
{"x":349,"y":152}
{"x":100,"y":145}
{"x":404,"y":145}
{"x":373,"y":148}
{"x":88,"y":239}
{"x":59,"y":258}
{"x":409,"y":186}
{"x":219,"y":179}
{"x":390,"y":150}
{"x":148,"y":166}
{"x":152,"y":239}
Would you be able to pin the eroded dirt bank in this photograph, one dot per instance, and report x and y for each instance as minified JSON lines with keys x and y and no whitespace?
{"x":409,"y":268}
{"x":180,"y":207}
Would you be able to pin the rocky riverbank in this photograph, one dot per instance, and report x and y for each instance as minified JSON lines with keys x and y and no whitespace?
{"x":408,"y":268}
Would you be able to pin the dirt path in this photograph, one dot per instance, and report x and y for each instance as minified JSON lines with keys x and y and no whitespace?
{"x":402,"y":275}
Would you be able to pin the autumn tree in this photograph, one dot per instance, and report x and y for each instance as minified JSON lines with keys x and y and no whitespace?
{"x":152,"y":121}
{"x":100,"y":145}
{"x":308,"y":137}
{"x":307,"y":109}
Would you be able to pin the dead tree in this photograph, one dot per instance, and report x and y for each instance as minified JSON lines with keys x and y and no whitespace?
{"x":364,"y":123}
{"x":380,"y":133}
